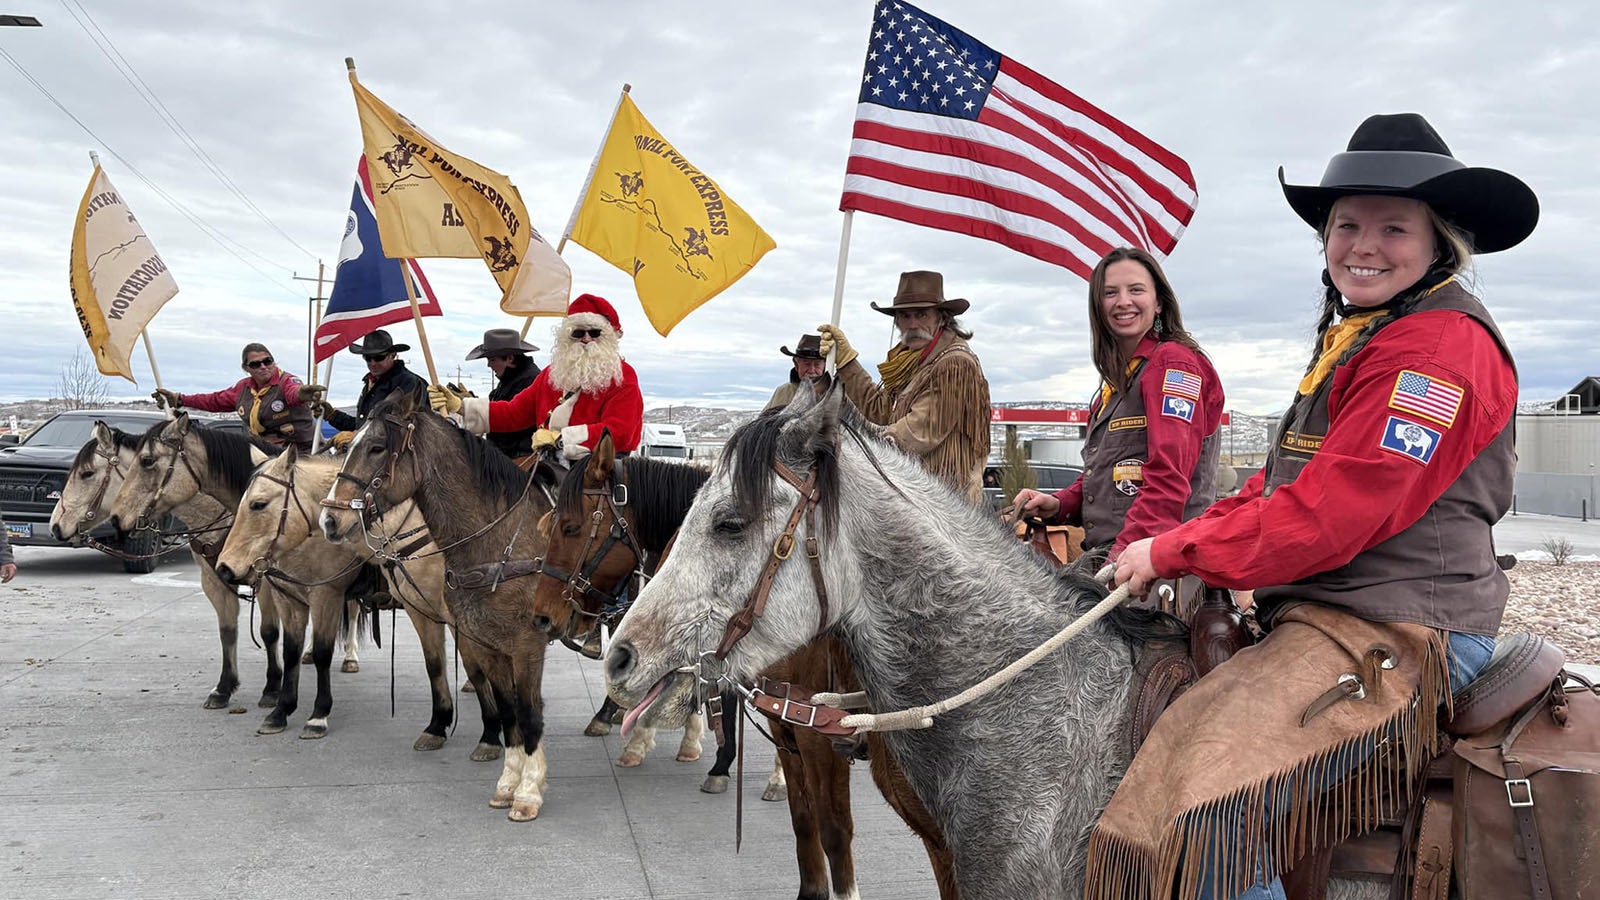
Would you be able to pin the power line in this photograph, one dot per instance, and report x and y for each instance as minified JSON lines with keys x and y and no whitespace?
{"x":151,"y":99}
{"x":205,"y":228}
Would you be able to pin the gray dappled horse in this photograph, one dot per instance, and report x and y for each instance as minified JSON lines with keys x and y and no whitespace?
{"x":95,"y":478}
{"x":275,"y":527}
{"x":481,"y":510}
{"x":931,"y":595}
{"x":178,"y":462}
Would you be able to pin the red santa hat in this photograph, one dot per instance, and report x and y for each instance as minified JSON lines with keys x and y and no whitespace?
{"x":592,"y":310}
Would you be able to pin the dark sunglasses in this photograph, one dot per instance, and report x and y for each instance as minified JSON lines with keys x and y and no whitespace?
{"x":506,"y":357}
{"x":591,"y":332}
{"x":377,"y":357}
{"x":258,"y":363}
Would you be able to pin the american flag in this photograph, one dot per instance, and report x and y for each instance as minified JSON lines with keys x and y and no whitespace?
{"x":1427,"y":397}
{"x":1181,"y":383}
{"x":952,"y":135}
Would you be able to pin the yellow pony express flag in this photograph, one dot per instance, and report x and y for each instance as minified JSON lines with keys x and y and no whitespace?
{"x":652,"y":214}
{"x":431,"y":203}
{"x":119,"y":282}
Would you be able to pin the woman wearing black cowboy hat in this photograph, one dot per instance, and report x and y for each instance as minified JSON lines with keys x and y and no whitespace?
{"x":507,"y":355}
{"x":386,"y":374}
{"x":1366,"y":536}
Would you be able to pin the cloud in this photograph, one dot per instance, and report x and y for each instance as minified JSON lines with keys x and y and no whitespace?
{"x":762,"y":97}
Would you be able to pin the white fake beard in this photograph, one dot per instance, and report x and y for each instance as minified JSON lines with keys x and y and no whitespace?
{"x":585,"y":368}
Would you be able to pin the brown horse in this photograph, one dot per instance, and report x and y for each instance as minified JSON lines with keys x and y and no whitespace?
{"x":483,"y":512}
{"x":583,"y":571}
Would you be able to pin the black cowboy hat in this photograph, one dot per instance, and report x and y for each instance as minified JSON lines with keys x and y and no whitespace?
{"x":377,"y":342}
{"x":499,"y":342}
{"x":1402,"y":156}
{"x":809,"y":347}
{"x":920,"y":290}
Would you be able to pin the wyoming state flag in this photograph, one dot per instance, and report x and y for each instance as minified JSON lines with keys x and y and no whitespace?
{"x":652,"y":214}
{"x":368,"y":290}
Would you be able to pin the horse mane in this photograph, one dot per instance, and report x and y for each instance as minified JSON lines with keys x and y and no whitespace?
{"x":120,"y":440}
{"x":659,"y":493}
{"x":227,"y":454}
{"x":493,"y":471}
{"x":757,"y":444}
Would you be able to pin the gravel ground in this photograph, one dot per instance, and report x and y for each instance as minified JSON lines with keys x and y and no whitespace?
{"x":1561,"y":603}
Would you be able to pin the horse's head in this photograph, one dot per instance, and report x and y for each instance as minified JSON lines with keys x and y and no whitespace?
{"x":593,"y":546}
{"x":380,"y":466}
{"x":166,"y":473}
{"x":728,"y":565}
{"x":94,"y":478}
{"x":276,"y":515}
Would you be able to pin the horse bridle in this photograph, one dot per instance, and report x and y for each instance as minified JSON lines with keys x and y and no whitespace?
{"x":262,"y":565}
{"x":180,"y":452}
{"x":369,"y":489}
{"x":92,"y":511}
{"x":578,"y":584}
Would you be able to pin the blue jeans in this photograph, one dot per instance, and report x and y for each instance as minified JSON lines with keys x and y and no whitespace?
{"x":1469,"y":653}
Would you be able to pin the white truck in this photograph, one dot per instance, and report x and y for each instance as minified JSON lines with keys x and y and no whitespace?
{"x":664,"y":442}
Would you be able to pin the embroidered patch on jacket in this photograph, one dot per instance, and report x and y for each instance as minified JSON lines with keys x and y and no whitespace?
{"x":1432,"y":398}
{"x":1407,"y":438}
{"x":1128,"y":475}
{"x":1126,"y":423}
{"x":1181,"y":383}
{"x":1177,"y":407}
{"x":1300,"y":442}
{"x":277,"y":406}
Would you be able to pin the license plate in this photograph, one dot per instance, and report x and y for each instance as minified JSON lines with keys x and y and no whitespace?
{"x":19,"y":530}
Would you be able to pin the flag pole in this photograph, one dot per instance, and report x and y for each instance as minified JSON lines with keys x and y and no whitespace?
{"x":838,"y":277}
{"x":583,"y":191}
{"x":416,"y":316}
{"x":143,"y":333}
{"x":316,"y":428}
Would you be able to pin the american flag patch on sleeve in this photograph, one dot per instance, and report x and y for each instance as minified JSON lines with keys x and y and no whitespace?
{"x":1181,"y":384}
{"x":1432,"y":398}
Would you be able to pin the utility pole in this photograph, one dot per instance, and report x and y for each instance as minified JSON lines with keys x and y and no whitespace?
{"x":313,"y":319}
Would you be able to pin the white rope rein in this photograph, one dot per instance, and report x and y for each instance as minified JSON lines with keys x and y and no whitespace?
{"x":922,"y":716}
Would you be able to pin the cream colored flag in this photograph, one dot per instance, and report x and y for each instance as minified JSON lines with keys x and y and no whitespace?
{"x":651,"y":213}
{"x":119,"y":282}
{"x":431,"y":202}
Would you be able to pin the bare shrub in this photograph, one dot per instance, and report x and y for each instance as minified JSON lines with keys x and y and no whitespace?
{"x":1559,"y":548}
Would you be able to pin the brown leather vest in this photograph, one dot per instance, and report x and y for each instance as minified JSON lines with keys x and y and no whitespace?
{"x":274,"y":414}
{"x":1114,"y":456}
{"x":1441,"y":570}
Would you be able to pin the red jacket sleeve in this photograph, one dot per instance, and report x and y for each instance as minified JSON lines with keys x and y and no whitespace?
{"x":291,"y":389}
{"x":622,"y":412}
{"x":1355,"y":493}
{"x":1071,"y":498}
{"x":225,"y":400}
{"x":1173,"y":442}
{"x":525,"y":409}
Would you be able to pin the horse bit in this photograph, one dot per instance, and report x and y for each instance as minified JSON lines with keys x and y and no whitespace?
{"x":578,"y":585}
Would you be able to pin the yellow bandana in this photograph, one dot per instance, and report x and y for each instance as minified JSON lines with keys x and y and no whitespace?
{"x":255,"y":408}
{"x":896,"y":371}
{"x":1339,"y":338}
{"x":1106,"y":390}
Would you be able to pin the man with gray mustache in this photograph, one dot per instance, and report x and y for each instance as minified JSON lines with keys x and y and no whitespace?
{"x":933,"y":399}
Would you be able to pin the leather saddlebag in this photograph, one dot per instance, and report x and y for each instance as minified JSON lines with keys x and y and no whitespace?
{"x":1527,"y":801}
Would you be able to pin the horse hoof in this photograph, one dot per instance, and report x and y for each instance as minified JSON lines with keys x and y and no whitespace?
{"x":468,"y":688}
{"x":775,"y":793}
{"x":715,"y":784}
{"x":597,"y":728}
{"x":524,"y":811}
{"x":630,"y":760}
{"x":486,"y":752}
{"x":218,"y":700}
{"x":271,"y":727}
{"x":689,"y":755}
{"x":268,"y":700}
{"x":350,"y":665}
{"x":426,"y":741}
{"x":310,"y":732}
{"x":500,"y":800}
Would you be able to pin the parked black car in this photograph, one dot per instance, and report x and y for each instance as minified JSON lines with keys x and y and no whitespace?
{"x":1050,"y":479}
{"x":33,"y":473}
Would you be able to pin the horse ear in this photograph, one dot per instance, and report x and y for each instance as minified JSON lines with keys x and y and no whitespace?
{"x":179,"y":424}
{"x":102,"y":434}
{"x":598,"y":469}
{"x":291,"y":454}
{"x":817,"y":426}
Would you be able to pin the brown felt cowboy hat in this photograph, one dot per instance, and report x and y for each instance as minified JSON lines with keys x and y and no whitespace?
{"x":809,"y":347}
{"x":377,"y":343}
{"x":1402,"y":156}
{"x":921,"y":290}
{"x":501,"y":342}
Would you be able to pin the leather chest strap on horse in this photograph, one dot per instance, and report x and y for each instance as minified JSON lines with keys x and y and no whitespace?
{"x":797,"y":706}
{"x":740,"y":623}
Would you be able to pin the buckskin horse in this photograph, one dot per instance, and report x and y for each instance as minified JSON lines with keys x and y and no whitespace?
{"x":929,"y":594}
{"x":177,"y":462}
{"x":595,"y":542}
{"x":276,"y":523}
{"x":482,"y":512}
{"x":96,"y":477}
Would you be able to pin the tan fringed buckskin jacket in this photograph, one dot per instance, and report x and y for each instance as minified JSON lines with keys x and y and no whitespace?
{"x":941,"y":416}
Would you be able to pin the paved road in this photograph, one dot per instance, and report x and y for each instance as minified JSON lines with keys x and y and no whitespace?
{"x":116,"y":784}
{"x":1519,"y":533}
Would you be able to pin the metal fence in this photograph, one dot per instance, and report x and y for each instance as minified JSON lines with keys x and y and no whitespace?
{"x":1556,"y":495}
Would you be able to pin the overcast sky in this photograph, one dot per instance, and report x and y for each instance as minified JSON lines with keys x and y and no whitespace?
{"x":762,"y":97}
